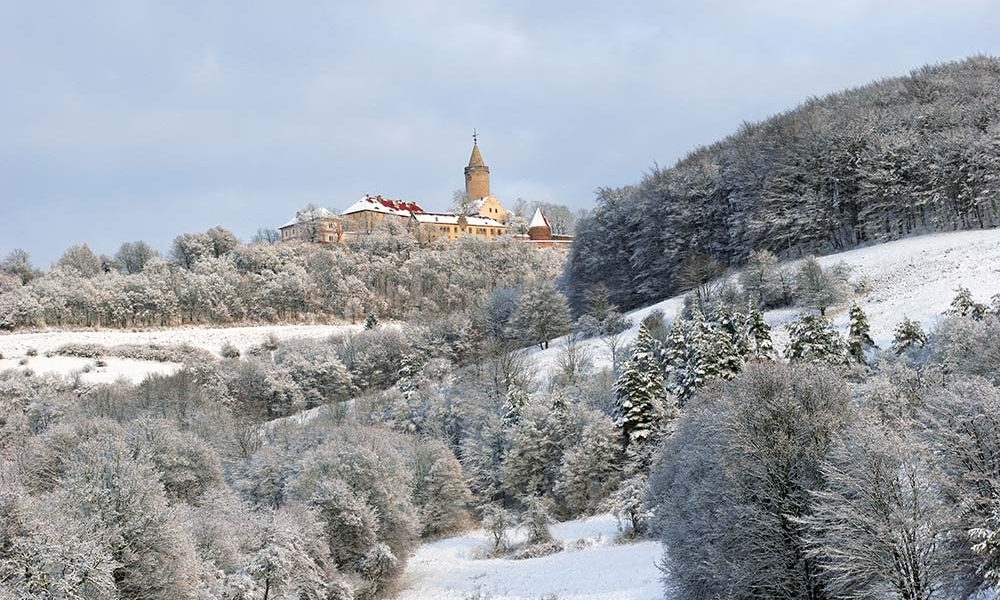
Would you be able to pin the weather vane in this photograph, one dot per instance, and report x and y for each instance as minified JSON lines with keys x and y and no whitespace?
{"x":475,"y":138}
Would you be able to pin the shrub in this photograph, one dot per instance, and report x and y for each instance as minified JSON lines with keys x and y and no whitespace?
{"x":229,"y":351}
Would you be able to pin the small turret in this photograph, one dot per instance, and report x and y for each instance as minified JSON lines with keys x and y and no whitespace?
{"x":539,"y":228}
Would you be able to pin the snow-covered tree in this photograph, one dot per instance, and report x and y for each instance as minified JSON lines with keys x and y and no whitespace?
{"x":497,"y":521}
{"x":47,"y":552}
{"x":817,"y":287}
{"x":629,"y":505}
{"x":736,"y":476}
{"x":590,"y":470}
{"x":813,"y":339}
{"x":514,"y":405}
{"x":186,"y":465}
{"x":963,"y":305}
{"x":761,"y":279}
{"x":759,"y":332}
{"x":536,"y":520}
{"x":542,"y":315}
{"x":290,"y":562}
{"x":482,"y":455}
{"x":883,"y":527}
{"x":908,"y":334}
{"x":439,"y":492}
{"x":81,"y":261}
{"x":531,"y":466}
{"x":684,"y":372}
{"x":145,"y":536}
{"x":986,"y":539}
{"x":859,"y":338}
{"x":642,"y":399}
{"x":132,"y":257}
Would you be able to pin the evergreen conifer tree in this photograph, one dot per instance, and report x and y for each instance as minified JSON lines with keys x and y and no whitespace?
{"x":675,"y":359}
{"x":813,"y":339}
{"x":729,"y":345}
{"x":908,"y":334}
{"x":640,"y":393}
{"x":371,"y":322}
{"x":513,"y":405}
{"x":759,"y":333}
{"x":859,"y":337}
{"x":963,"y":305}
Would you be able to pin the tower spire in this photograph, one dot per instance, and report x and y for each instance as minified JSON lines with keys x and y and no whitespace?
{"x":477,"y":174}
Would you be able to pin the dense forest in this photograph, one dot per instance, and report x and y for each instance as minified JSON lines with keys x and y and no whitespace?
{"x":911,"y":154}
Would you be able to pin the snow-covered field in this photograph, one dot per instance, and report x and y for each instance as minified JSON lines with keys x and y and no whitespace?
{"x":15,"y":346}
{"x":915,"y":277}
{"x":593,"y":567}
{"x":113,"y":370}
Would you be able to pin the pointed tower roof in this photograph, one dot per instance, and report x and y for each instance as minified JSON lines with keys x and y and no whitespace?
{"x":538,"y":219}
{"x":476,"y":160}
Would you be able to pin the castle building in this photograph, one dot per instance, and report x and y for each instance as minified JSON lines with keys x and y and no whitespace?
{"x":485,"y":216}
{"x":315,"y":225}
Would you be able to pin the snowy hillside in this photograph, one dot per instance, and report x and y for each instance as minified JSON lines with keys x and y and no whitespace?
{"x":594,"y":567}
{"x":915,"y":277}
{"x":14,"y":347}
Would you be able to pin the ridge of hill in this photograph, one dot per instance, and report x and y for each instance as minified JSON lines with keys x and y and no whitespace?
{"x":894,"y":158}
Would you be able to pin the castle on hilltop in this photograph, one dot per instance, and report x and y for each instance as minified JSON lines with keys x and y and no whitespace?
{"x":482,"y":216}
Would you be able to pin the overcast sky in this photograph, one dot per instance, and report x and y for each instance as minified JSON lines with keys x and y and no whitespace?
{"x":138,"y":120}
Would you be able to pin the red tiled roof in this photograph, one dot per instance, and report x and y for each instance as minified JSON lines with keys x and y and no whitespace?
{"x":395,"y":204}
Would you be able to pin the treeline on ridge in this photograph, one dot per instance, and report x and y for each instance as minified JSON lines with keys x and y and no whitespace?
{"x":900,"y":156}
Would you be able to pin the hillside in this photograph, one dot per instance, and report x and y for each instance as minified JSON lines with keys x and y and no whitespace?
{"x":906,"y":155}
{"x":915,"y":277}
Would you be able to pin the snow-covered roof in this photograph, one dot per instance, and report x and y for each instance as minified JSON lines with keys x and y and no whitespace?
{"x":388,"y":206}
{"x":452,"y":219}
{"x":538,"y":220}
{"x":309,"y":215}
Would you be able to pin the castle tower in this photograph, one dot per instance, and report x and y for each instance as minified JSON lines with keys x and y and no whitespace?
{"x":539,"y":228}
{"x":477,"y":174}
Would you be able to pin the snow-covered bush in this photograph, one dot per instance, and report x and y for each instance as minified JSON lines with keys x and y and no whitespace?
{"x":229,"y":351}
{"x":630,"y":506}
{"x":497,"y":521}
{"x":538,"y":539}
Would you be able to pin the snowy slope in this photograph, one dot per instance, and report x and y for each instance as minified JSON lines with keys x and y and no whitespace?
{"x":594,"y":568}
{"x":15,"y":346}
{"x":915,"y":277}
{"x":207,"y":338}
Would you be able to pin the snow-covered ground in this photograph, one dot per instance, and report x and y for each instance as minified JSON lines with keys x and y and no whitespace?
{"x":593,"y":567}
{"x":915,"y":277}
{"x":15,"y":346}
{"x":206,"y":338}
{"x":113,"y":370}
